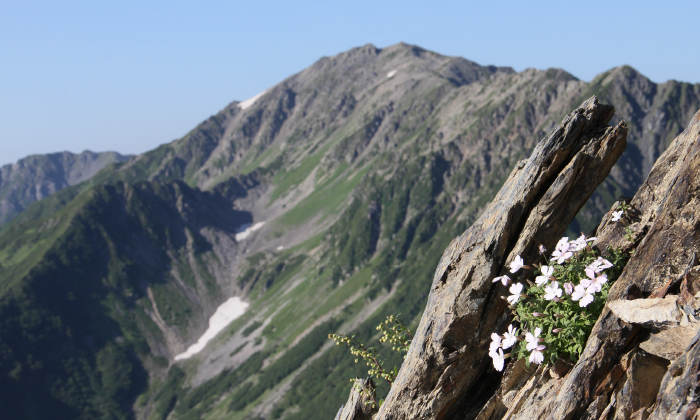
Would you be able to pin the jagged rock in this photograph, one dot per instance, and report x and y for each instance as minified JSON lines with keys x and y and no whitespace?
{"x":612,"y":368}
{"x":678,"y":395}
{"x":637,"y":389}
{"x":671,"y":343}
{"x":357,"y":407}
{"x":665,"y":235}
{"x":620,"y":375}
{"x":650,"y":313}
{"x":448,"y":360}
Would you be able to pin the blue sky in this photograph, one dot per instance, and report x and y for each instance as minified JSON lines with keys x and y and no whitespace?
{"x":130,"y":75}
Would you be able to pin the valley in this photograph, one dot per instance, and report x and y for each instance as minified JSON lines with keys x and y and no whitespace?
{"x":321,"y":205}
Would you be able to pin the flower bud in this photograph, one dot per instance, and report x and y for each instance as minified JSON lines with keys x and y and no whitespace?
{"x":559,"y":316}
{"x":537,"y":314}
{"x":556,"y":331}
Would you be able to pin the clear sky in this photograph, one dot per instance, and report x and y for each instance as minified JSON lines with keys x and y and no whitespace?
{"x":129,"y":75}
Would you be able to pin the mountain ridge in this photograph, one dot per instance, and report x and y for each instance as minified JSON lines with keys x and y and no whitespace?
{"x":361,"y":179}
{"x":37,"y":176}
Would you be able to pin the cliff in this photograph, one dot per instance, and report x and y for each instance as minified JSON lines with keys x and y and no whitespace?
{"x":641,"y":359}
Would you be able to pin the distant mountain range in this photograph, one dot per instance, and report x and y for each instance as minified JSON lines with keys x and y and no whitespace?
{"x":356,"y":173}
{"x":38,"y":176}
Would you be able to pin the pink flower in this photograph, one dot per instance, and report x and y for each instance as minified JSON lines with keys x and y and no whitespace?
{"x":569,"y":287}
{"x":547,"y":272}
{"x":596,"y":282}
{"x":542,"y":249}
{"x":517,"y":264}
{"x":503,"y":279}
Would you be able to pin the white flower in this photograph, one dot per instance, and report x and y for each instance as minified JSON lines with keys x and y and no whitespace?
{"x":596,"y":282}
{"x":599,"y":265}
{"x":547,"y":272}
{"x":517,"y":264}
{"x":532,"y":340}
{"x":498,"y":359}
{"x":582,"y":294}
{"x":510,"y":337}
{"x":578,"y":244}
{"x":495,"y":343}
{"x":536,"y":356}
{"x":617,"y":215}
{"x":503,"y":279}
{"x":515,"y":290}
{"x":552,"y":291}
{"x":581,"y":243}
{"x":562,"y":253}
{"x":542,"y":249}
{"x":564,"y":241}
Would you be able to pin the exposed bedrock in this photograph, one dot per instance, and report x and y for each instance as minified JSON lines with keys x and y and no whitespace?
{"x":447,"y":373}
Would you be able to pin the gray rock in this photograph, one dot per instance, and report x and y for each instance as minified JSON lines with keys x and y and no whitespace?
{"x":650,"y":313}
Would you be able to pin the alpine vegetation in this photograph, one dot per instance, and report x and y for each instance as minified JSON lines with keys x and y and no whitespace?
{"x":554,"y":315}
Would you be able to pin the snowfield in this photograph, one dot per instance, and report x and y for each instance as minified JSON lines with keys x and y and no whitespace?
{"x":244,"y":234}
{"x":248,"y":102}
{"x":225,"y":313}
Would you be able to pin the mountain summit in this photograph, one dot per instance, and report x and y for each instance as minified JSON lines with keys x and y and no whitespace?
{"x":324,"y":203}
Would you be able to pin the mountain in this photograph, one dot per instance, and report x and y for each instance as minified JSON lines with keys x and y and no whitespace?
{"x":38,"y":176}
{"x":324,"y":203}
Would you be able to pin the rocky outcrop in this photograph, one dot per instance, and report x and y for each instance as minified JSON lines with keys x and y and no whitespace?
{"x":359,"y":406}
{"x":448,"y":358}
{"x":642,"y":358}
{"x":623,"y":365}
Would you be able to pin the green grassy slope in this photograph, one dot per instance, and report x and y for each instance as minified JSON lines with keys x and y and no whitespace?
{"x":362,"y":180}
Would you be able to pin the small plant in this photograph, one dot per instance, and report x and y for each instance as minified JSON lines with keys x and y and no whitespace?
{"x":556,"y":313}
{"x":622,"y":210}
{"x":394,"y":332}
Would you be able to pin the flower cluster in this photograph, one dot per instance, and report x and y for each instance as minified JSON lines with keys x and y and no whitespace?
{"x":556,"y":313}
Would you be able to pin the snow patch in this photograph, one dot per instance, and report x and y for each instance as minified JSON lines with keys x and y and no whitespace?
{"x":225,"y":313}
{"x":391,"y":74}
{"x":244,"y":234}
{"x":248,"y":102}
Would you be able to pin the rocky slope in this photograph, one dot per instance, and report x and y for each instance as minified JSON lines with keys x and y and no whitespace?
{"x":38,"y":176}
{"x":357,"y":173}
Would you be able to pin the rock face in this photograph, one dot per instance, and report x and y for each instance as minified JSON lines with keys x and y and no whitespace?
{"x":642,"y":358}
{"x":448,"y":358}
